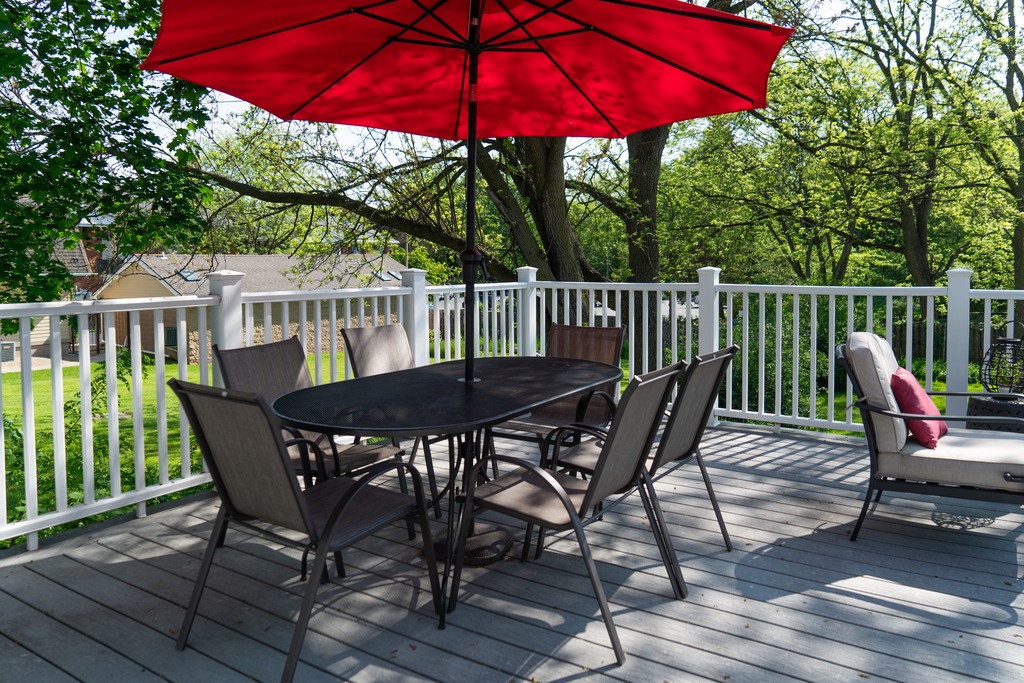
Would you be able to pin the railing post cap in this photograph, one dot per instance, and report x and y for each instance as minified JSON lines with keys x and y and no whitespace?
{"x":225,"y":275}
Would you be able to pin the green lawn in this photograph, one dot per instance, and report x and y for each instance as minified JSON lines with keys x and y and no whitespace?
{"x":42,"y":407}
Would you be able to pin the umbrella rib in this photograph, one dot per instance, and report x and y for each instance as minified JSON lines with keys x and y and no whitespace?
{"x":362,"y":11}
{"x":565,"y":74}
{"x":728,"y":19}
{"x":267,"y":34}
{"x":545,"y":10}
{"x":707,"y":79}
{"x":440,"y":40}
{"x":431,"y":11}
{"x":507,"y":45}
{"x":583,"y":94}
{"x":462,"y":93}
{"x":337,"y":80}
{"x":653,"y":55}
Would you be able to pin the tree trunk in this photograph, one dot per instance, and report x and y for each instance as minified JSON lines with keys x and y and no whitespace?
{"x":914,"y":215}
{"x":1018,"y":253}
{"x":544,"y":167}
{"x":641,"y":220}
{"x":505,"y":201}
{"x":645,"y":150}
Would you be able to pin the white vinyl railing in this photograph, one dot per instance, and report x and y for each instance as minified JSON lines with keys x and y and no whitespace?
{"x":93,"y":431}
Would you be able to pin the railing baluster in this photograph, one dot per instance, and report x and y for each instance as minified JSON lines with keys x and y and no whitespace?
{"x":332,"y":320}
{"x":85,"y":410}
{"x":794,"y":390}
{"x":185,"y":452}
{"x":60,"y":470}
{"x":28,"y":430}
{"x":318,"y":343}
{"x":812,"y":375}
{"x":138,"y":424}
{"x":159,"y":353}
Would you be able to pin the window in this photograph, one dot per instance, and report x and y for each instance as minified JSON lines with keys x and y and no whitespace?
{"x":171,"y":337}
{"x":188,"y":276}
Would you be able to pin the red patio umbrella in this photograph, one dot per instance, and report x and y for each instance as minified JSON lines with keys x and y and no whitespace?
{"x":461,"y":69}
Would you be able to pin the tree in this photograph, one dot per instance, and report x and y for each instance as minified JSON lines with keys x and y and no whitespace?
{"x":79,"y":137}
{"x":861,"y":107}
{"x":986,"y":86}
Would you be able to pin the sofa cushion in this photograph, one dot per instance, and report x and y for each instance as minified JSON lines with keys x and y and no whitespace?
{"x":912,"y":398}
{"x":967,"y":457}
{"x":873,"y":363}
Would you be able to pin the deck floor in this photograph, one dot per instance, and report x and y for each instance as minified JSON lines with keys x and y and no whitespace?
{"x":931,"y":591}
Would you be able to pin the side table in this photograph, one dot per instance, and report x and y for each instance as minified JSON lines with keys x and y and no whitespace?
{"x":991,"y":406}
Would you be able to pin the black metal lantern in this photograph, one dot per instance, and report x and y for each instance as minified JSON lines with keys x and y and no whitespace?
{"x":1002,"y":369}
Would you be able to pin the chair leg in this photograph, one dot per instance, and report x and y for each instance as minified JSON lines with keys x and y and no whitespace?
{"x":302,"y":621}
{"x":659,"y":527}
{"x":431,"y":559}
{"x":340,"y":564}
{"x":864,"y":509}
{"x":222,"y":537}
{"x":403,"y":486}
{"x":602,"y":600}
{"x":714,"y":500}
{"x":527,"y":540}
{"x":216,"y":539}
{"x":429,"y":462}
{"x":465,"y":522}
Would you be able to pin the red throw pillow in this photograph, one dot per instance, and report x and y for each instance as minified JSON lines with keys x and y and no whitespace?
{"x":912,"y":398}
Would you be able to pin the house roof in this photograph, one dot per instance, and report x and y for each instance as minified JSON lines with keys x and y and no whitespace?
{"x":73,"y":258}
{"x":185,"y":274}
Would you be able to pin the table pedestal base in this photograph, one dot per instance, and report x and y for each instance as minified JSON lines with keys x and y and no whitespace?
{"x":486,"y":545}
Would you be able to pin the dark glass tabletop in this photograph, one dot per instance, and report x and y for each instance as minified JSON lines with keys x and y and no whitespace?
{"x":430,"y":400}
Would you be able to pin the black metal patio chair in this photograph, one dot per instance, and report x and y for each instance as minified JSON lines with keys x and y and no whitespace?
{"x":974,"y":464}
{"x":241,"y":441}
{"x":680,"y":443}
{"x":385,"y":348}
{"x":594,"y":408}
{"x":555,"y":500}
{"x":272,"y":370}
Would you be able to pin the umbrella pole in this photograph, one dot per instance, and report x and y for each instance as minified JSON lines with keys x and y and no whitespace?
{"x":471,"y":258}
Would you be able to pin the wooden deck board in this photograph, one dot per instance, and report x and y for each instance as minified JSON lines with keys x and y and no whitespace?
{"x":931,"y":591}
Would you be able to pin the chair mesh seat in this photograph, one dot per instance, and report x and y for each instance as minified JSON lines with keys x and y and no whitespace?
{"x":377,"y":507}
{"x":522,"y":492}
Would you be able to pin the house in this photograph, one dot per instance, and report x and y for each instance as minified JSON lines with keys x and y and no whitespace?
{"x":76,"y":260}
{"x":165,"y":274}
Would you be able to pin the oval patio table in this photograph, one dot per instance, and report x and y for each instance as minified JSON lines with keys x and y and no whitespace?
{"x":432,"y":400}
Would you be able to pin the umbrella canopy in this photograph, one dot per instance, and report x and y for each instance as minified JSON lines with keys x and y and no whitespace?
{"x":459,"y":69}
{"x":587,"y":68}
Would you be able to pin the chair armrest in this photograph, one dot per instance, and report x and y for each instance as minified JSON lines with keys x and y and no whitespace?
{"x":551,"y":461}
{"x":584,"y":404}
{"x":978,"y":394}
{"x":304,"y":448}
{"x":864,"y":405}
